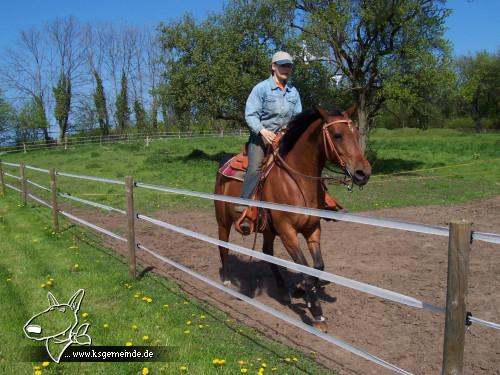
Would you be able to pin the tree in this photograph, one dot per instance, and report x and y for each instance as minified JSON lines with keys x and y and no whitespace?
{"x":122,"y":108}
{"x":6,"y":112}
{"x":64,"y":35}
{"x":140,"y":116}
{"x":62,"y":96}
{"x":479,"y":85}
{"x":100,"y":104}
{"x":370,"y":41}
{"x":24,"y":72}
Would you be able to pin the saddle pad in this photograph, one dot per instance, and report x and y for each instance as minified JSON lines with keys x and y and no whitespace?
{"x":235,"y":167}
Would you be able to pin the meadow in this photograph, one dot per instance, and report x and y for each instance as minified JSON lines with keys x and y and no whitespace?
{"x":410,"y":167}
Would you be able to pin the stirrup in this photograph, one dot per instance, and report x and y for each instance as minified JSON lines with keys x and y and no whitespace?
{"x":244,"y":225}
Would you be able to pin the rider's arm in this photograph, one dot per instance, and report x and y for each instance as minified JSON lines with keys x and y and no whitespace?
{"x":253,"y":110}
{"x":298,"y":106}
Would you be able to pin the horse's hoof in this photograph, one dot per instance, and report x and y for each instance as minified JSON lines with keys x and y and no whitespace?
{"x":227,"y":283}
{"x":320,"y":324}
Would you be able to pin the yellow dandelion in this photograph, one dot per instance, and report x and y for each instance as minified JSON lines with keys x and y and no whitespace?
{"x":193,"y":314}
{"x":258,"y":359}
{"x":183,"y":368}
{"x":76,"y":265}
{"x":215,"y":361}
{"x":85,"y":315}
{"x":185,"y":302}
{"x":288,"y":359}
{"x":9,"y":279}
{"x":295,"y":359}
{"x":165,"y":305}
{"x":202,"y":316}
{"x":261,"y":371}
{"x":49,"y":283}
{"x":274,"y":369}
{"x":50,"y":278}
{"x":145,"y":371}
{"x":200,"y":325}
{"x":42,"y":285}
{"x":136,"y":295}
{"x":241,"y":362}
{"x":187,"y":331}
{"x":38,"y":372}
{"x":188,"y":322}
{"x":105,"y":325}
{"x":149,"y":300}
{"x":264,"y":365}
{"x":45,"y":364}
{"x":36,"y":367}
{"x":243,"y":370}
{"x":134,"y":327}
{"x":222,"y":362}
{"x":129,"y":343}
{"x":145,"y":338}
{"x":144,"y":298}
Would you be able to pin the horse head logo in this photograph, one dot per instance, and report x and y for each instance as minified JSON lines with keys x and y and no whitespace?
{"x":57,"y":326}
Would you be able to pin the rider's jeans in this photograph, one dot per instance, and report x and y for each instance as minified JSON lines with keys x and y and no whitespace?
{"x":256,"y":153}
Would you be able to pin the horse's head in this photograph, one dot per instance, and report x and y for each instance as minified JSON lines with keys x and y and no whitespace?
{"x":341,"y":141}
{"x":58,"y":319}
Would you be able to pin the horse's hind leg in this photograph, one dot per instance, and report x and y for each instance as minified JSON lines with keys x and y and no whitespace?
{"x":224,"y":231}
{"x":268,"y":248}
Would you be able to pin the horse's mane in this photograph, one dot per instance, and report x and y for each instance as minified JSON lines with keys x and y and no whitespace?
{"x":299,"y":124}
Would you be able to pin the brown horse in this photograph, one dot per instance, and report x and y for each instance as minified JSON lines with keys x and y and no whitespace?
{"x":313,"y":137}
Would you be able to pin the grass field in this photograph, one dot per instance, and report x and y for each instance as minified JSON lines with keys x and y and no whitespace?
{"x":35,"y":260}
{"x":411,"y":167}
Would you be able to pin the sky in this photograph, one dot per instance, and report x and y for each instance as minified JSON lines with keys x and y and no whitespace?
{"x":473,"y":25}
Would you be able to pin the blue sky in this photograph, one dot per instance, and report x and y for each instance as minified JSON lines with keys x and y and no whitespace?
{"x":473,"y":26}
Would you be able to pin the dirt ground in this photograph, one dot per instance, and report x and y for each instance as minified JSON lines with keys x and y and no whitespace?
{"x":409,"y":263}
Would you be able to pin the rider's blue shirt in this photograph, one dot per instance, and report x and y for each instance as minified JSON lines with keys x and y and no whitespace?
{"x":270,"y":107}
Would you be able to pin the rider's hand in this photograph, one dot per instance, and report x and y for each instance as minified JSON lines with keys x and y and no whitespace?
{"x":268,"y":135}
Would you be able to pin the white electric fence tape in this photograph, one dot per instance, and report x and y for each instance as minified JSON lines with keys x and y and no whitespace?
{"x":37,"y":185}
{"x":91,"y":178}
{"x":90,"y":203}
{"x":12,"y":176}
{"x":13,"y":188}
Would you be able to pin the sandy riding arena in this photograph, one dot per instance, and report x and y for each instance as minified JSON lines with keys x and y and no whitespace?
{"x":408,"y":263}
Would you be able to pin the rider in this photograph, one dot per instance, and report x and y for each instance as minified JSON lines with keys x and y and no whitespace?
{"x":270,"y":107}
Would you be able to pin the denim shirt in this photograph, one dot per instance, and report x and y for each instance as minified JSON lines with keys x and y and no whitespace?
{"x":271,"y":108}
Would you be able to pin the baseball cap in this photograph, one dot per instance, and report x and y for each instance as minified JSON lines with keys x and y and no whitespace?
{"x":281,"y":58}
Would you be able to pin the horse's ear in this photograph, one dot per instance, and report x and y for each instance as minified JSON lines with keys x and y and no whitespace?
{"x":322,"y":112}
{"x":350,"y":111}
{"x":52,"y":300}
{"x":75,"y":301}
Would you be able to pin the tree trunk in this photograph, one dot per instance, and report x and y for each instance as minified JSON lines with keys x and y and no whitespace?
{"x":362,"y":114}
{"x":478,"y":124}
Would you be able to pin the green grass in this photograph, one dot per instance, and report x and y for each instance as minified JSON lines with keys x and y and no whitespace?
{"x":32,"y":255}
{"x":468,"y":167}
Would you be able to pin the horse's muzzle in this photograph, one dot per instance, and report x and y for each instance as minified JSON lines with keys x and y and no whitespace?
{"x":360,"y":177}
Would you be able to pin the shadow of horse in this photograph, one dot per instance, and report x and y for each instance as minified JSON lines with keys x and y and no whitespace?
{"x":253,"y":278}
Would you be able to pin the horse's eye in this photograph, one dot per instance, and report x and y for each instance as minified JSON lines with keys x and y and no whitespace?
{"x":337,"y":136}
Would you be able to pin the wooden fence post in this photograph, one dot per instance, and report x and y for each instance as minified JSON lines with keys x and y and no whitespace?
{"x":129,"y":196}
{"x":24,"y":187}
{"x":53,"y":191}
{"x":456,"y":314}
{"x":2,"y":182}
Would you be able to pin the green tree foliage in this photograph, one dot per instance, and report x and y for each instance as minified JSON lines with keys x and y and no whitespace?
{"x":6,"y":112}
{"x":140,"y":116}
{"x":371,"y":41}
{"x":100,"y":104}
{"x":211,"y":66}
{"x":479,"y":86}
{"x":122,"y":108}
{"x":62,"y":97}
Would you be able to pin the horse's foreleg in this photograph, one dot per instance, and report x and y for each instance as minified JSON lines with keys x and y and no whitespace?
{"x":313,"y":243}
{"x":291,"y":243}
{"x":268,"y":248}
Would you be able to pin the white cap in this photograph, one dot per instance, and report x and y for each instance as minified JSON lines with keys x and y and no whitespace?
{"x":281,"y":58}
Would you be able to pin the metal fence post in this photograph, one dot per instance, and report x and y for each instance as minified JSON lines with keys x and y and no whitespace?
{"x":24,"y":185}
{"x":53,"y":191}
{"x":2,"y":182}
{"x":456,"y":314}
{"x":129,"y":196}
